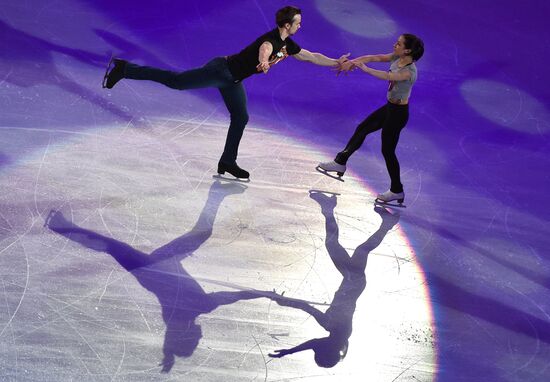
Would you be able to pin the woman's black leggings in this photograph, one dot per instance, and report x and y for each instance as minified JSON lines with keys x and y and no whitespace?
{"x":391,"y":119}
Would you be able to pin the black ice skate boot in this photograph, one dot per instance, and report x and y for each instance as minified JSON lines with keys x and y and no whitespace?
{"x":233,"y":169}
{"x":114,"y":73}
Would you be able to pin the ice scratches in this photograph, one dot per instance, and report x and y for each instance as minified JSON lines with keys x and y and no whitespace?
{"x":121,"y":360}
{"x":41,"y":130}
{"x":105,"y":286}
{"x":520,"y":108}
{"x":419,"y":189}
{"x":10,"y":325}
{"x":79,"y":360}
{"x":125,"y":129}
{"x":263,"y":356}
{"x":199,"y":365}
{"x":482,"y":327}
{"x":241,"y":227}
{"x":67,"y":305}
{"x":36,"y":180}
{"x":7,"y":222}
{"x":312,"y":263}
{"x":59,"y":313}
{"x":205,"y":174}
{"x":3,"y":80}
{"x":100,"y":213}
{"x":198,"y":125}
{"x":396,"y":258}
{"x":405,"y":370}
{"x":547,"y":317}
{"x":27,"y":274}
{"x":535,"y":352}
{"x":97,"y":356}
{"x":139,"y":308}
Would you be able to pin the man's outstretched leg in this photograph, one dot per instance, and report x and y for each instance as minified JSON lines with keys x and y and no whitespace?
{"x":214,"y":74}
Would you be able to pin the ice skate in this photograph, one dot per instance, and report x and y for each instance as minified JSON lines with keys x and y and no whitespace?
{"x":113,"y":73}
{"x":328,"y":167}
{"x":234,"y":170}
{"x":388,"y":197}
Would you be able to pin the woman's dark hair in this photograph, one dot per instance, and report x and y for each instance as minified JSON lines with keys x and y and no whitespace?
{"x":415,"y":44}
{"x":286,"y":15}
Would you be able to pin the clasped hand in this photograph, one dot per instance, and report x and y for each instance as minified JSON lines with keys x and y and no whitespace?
{"x":345,"y":65}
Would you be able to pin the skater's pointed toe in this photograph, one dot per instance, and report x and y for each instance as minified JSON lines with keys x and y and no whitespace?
{"x":389,"y":196}
{"x":115,"y":72}
{"x":233,"y":169}
{"x":332,"y":166}
{"x":326,"y":201}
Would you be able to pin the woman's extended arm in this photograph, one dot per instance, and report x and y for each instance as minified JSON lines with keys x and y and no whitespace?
{"x":353,"y":64}
{"x":388,"y":76}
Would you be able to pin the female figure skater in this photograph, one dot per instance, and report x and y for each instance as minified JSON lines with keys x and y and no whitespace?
{"x":390,"y":118}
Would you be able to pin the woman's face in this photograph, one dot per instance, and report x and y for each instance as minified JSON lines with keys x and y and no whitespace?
{"x":399,"y":47}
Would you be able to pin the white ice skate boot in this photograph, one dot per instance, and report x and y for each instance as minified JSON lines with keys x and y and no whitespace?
{"x":389,"y":196}
{"x":332,"y":166}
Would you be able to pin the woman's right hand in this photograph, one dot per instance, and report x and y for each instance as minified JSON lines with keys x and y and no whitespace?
{"x":345,"y":67}
{"x":359,"y":64}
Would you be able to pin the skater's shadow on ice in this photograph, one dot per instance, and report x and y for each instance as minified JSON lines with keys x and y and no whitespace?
{"x":28,"y":61}
{"x":337,"y":319}
{"x":181,"y":298}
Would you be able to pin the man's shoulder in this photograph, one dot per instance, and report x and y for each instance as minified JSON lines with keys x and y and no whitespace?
{"x":270,"y":35}
{"x":292,"y":47}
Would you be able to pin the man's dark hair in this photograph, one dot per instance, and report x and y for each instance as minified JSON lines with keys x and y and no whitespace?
{"x":415,"y":44}
{"x":286,"y":15}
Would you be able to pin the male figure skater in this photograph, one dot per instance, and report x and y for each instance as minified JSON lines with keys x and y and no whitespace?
{"x":227,"y":74}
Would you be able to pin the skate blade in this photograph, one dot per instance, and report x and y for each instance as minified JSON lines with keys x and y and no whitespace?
{"x":104,"y":83}
{"x":224,"y":177}
{"x":378,"y":202}
{"x":325,"y":172}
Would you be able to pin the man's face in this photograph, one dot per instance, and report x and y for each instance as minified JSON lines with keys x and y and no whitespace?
{"x":296,"y":24}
